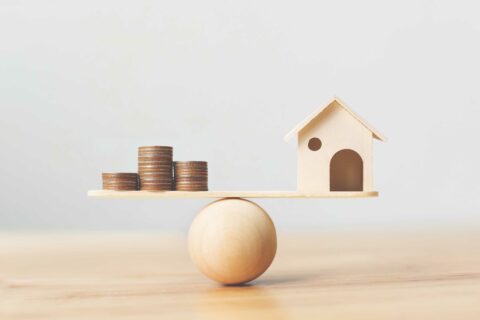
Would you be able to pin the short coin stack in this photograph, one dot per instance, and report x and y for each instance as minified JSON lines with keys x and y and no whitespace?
{"x":191,"y":175}
{"x":120,"y":181}
{"x":155,"y":168}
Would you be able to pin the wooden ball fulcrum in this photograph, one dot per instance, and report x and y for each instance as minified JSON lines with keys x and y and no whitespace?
{"x":232,"y":241}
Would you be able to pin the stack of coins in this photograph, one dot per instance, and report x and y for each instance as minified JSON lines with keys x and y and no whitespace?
{"x":155,"y":168}
{"x":121,"y":181}
{"x":191,"y":175}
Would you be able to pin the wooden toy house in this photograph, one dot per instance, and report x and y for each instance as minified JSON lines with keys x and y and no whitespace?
{"x":334,"y":150}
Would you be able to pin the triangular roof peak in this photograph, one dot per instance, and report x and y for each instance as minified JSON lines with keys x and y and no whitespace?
{"x":306,"y":121}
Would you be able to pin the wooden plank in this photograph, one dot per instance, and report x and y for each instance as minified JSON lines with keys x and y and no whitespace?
{"x":383,"y":275}
{"x":225,"y":194}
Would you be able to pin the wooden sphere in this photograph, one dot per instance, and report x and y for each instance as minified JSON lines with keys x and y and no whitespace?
{"x":232,"y":241}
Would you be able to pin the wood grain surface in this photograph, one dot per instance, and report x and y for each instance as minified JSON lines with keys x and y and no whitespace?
{"x":401,"y":275}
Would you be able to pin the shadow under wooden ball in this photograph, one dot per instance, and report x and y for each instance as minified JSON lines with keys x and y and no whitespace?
{"x":232,"y":241}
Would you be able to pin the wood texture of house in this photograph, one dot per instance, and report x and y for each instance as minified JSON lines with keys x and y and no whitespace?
{"x":334,"y":150}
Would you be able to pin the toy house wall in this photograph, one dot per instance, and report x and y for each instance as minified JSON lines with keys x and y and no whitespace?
{"x":337,"y":129}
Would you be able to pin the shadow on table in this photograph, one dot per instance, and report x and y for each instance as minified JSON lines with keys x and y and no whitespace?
{"x":240,"y":302}
{"x":282,"y":280}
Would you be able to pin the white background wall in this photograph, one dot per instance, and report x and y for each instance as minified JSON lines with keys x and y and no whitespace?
{"x":83,"y":83}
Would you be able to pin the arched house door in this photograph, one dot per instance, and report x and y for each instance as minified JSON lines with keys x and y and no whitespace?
{"x":346,"y":171}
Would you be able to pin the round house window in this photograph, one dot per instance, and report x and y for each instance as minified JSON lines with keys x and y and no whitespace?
{"x":314,"y":144}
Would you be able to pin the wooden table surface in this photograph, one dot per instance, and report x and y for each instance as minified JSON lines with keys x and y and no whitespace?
{"x":399,"y":275}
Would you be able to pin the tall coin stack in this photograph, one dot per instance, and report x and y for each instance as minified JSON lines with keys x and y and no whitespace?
{"x":155,"y":168}
{"x":191,"y":175}
{"x":121,"y":181}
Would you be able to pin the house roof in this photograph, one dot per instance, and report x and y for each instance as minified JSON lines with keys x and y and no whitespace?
{"x":306,"y":121}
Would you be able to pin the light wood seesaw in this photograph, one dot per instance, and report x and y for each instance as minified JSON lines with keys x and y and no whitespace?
{"x":233,"y":240}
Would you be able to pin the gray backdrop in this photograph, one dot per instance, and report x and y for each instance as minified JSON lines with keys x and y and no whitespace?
{"x":82,"y":84}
